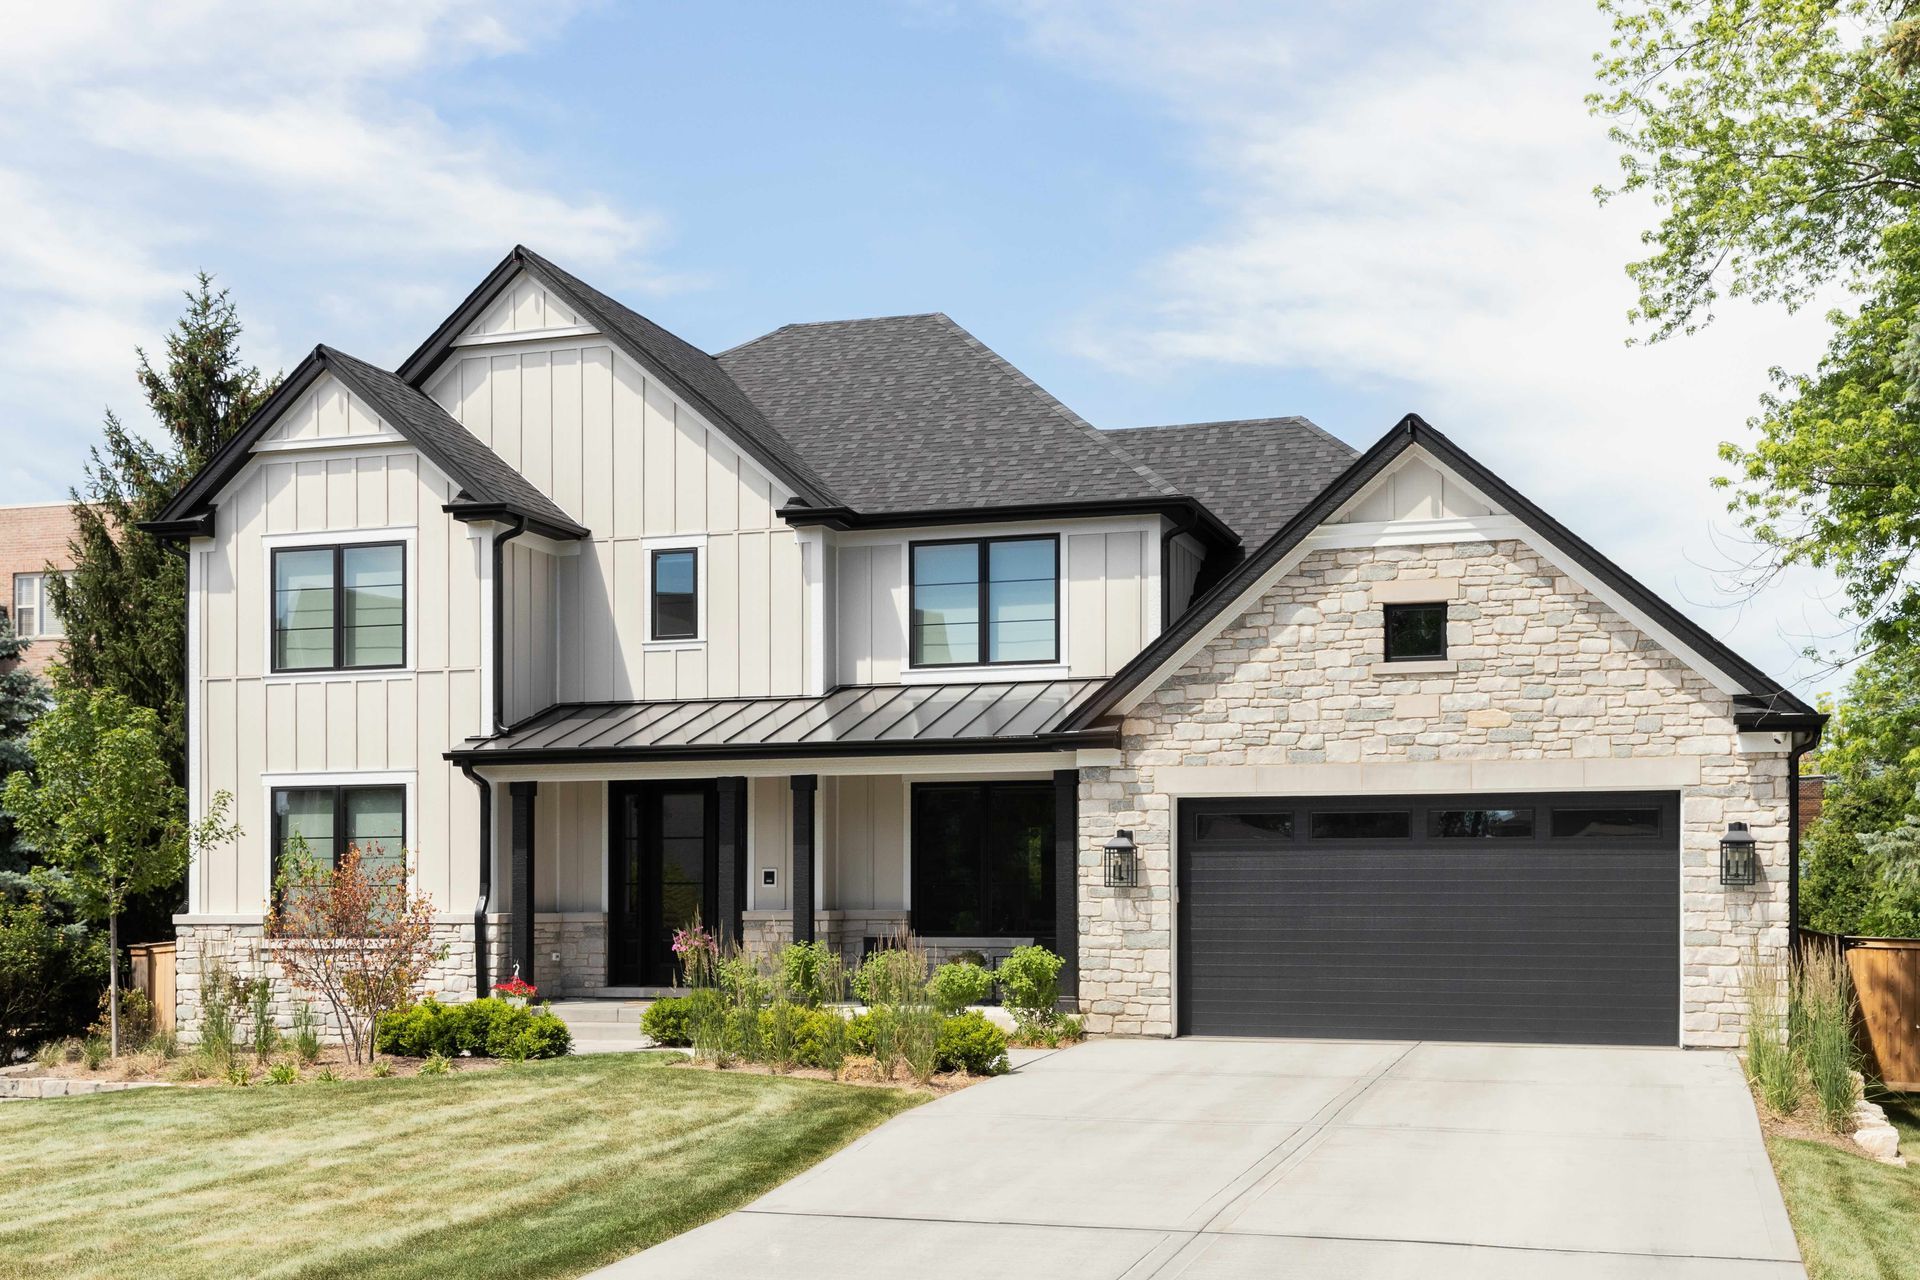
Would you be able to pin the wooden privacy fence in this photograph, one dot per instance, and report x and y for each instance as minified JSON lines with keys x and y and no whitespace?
{"x":1886,"y":979}
{"x":153,"y":975}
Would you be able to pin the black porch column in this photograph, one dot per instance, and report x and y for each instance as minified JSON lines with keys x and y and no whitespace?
{"x":1066,"y":883}
{"x":521,"y":837}
{"x":804,"y":786}
{"x":731,"y":873}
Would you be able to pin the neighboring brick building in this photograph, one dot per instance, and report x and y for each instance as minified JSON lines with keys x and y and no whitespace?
{"x":1813,"y":796}
{"x":33,"y":536}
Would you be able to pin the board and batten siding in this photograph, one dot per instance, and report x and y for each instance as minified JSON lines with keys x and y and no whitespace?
{"x":1109,"y":599}
{"x":628,"y":459}
{"x":249,"y":724}
{"x":530,"y":585}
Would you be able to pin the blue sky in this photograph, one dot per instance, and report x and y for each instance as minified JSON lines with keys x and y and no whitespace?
{"x":1162,"y":213}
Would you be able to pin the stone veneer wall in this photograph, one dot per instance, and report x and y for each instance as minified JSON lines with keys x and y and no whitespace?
{"x":243,"y":950}
{"x":1542,"y":672}
{"x":580,"y":939}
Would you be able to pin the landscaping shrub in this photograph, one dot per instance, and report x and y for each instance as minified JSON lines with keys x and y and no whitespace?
{"x":1030,"y":983}
{"x":665,"y":1022}
{"x":282,"y":1073}
{"x":860,"y":1035}
{"x":969,"y":1043}
{"x":811,"y":973}
{"x":794,"y":1035}
{"x":1822,"y":1015}
{"x":486,"y":1028}
{"x":959,"y":984}
{"x":1771,"y":1068}
{"x":306,"y":1034}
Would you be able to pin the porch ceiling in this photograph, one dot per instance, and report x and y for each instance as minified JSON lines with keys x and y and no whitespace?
{"x":853,"y":719}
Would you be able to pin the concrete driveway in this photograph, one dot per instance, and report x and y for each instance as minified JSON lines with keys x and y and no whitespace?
{"x":1237,"y":1158}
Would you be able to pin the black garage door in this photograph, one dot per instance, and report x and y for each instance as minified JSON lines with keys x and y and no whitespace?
{"x":1543,"y":918}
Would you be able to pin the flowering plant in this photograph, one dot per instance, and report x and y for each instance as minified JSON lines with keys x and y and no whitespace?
{"x":516,"y":988}
{"x":698,"y":952}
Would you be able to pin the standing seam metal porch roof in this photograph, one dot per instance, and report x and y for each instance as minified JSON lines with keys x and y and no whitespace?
{"x":871,"y":719}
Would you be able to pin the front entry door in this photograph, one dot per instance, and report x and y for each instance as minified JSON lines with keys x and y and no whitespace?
{"x":661,"y":874}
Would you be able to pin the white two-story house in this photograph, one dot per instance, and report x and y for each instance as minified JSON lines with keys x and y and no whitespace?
{"x":853,"y":627}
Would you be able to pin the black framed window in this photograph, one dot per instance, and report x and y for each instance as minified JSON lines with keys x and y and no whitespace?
{"x":1416,"y":632}
{"x":331,"y":819}
{"x":676,"y":594}
{"x":983,"y":859}
{"x":340,"y":608}
{"x":985,"y":601}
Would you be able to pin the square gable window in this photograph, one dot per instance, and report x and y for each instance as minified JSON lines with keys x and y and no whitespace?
{"x":1416,"y":632}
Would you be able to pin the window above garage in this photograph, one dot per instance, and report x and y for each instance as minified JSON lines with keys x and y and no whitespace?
{"x":1416,"y":632}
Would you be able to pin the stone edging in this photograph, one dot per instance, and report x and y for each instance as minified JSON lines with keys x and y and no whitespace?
{"x":60,"y":1087}
{"x":1874,"y":1135}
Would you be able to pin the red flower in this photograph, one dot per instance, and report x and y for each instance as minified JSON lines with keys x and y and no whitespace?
{"x":516,"y":986}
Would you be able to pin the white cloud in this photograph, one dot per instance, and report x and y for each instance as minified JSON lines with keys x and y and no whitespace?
{"x":139,"y":142}
{"x":1406,"y":198}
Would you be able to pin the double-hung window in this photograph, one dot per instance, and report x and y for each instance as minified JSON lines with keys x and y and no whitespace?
{"x":985,"y":601}
{"x":329,"y":820}
{"x":675,"y":607}
{"x":33,"y":613}
{"x":340,"y":608}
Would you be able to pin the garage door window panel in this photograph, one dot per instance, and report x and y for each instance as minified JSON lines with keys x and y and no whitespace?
{"x":1610,"y":824}
{"x":1480,"y":824}
{"x":1362,"y":824}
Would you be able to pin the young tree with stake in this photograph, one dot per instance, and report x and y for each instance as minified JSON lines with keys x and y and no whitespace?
{"x":103,"y":812}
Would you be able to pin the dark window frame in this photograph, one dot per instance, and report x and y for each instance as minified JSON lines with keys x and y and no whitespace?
{"x":984,"y":585}
{"x":1656,"y":832}
{"x":653,"y":595}
{"x":1049,"y":853}
{"x":340,"y":790}
{"x":1387,"y":615}
{"x":339,"y":550}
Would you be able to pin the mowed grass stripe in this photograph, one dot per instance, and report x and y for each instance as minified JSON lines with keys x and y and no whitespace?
{"x":547,"y":1169}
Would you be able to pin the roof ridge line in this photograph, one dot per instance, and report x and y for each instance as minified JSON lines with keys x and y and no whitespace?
{"x":821,"y":324}
{"x":1048,"y":399}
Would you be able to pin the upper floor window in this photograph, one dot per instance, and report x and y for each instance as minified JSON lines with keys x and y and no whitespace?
{"x":34,"y":617}
{"x":985,"y":601}
{"x":676,"y":594}
{"x":1416,"y":632}
{"x":340,"y":608}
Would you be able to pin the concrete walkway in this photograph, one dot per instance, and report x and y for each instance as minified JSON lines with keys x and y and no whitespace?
{"x":1235,"y":1158}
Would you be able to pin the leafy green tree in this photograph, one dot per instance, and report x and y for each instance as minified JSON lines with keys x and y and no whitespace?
{"x":22,"y":699}
{"x":125,"y":603}
{"x":104,"y":813}
{"x":1780,"y":142}
{"x":50,"y":971}
{"x":1871,"y":757}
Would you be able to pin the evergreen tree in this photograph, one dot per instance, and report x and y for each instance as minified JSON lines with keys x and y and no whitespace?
{"x":125,"y":603}
{"x":22,"y":699}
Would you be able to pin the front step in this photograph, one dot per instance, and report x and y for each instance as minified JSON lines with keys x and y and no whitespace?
{"x":603,"y":1026}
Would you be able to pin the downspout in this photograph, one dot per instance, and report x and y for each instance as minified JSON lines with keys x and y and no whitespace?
{"x":486,"y":881}
{"x":500,"y":541}
{"x":1802,"y":743}
{"x":499,"y":678}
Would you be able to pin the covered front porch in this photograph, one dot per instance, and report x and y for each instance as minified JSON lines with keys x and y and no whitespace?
{"x":844,"y":838}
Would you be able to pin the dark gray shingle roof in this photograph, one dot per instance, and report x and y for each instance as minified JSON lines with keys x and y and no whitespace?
{"x":483,"y":476}
{"x":487,"y":483}
{"x":909,"y":413}
{"x":1254,"y":473}
{"x":696,"y":375}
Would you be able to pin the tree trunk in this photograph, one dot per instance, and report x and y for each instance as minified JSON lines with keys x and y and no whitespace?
{"x":113,"y":984}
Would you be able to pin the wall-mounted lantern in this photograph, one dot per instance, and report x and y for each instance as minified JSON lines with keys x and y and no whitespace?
{"x":1122,"y":861}
{"x":1738,"y":865}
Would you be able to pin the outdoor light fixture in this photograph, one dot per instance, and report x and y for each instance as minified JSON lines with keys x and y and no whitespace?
{"x":1737,"y":862}
{"x":1123,"y":864}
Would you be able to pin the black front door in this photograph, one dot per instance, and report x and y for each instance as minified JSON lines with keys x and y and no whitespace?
{"x":662,"y":875}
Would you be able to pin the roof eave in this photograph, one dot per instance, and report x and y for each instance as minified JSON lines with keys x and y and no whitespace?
{"x":473,"y":512}
{"x":1182,"y":508}
{"x":1057,"y":741}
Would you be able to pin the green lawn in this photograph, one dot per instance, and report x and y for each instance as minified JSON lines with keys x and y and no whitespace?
{"x":545,"y":1169}
{"x":1856,"y":1219}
